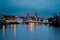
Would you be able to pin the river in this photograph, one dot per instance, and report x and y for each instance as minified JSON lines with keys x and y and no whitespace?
{"x":31,"y":31}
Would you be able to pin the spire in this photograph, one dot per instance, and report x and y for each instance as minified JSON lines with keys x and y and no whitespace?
{"x":27,"y":15}
{"x":35,"y":15}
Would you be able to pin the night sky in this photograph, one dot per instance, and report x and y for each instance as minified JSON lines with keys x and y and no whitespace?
{"x":21,"y":7}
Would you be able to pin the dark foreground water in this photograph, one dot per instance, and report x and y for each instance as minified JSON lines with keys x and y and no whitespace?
{"x":29,"y":32}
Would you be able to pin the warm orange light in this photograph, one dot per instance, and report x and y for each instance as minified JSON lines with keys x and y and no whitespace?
{"x":14,"y":29}
{"x":31,"y":24}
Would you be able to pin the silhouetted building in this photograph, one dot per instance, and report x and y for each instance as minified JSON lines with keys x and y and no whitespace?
{"x":9,"y":19}
{"x":27,"y":15}
{"x":55,"y":20}
{"x":35,"y":15}
{"x":1,"y":18}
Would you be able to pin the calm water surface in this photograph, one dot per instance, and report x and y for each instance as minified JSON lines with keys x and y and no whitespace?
{"x":29,"y":32}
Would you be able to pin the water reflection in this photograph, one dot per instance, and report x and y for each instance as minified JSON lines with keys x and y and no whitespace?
{"x":34,"y":32}
{"x":3,"y":32}
{"x":14,"y":31}
{"x":7,"y":31}
{"x":33,"y":26}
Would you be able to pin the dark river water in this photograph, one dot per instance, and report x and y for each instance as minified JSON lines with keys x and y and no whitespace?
{"x":32,"y":31}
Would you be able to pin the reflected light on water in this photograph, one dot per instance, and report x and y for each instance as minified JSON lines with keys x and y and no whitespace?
{"x":8,"y":26}
{"x":3,"y":28}
{"x":3,"y":32}
{"x":31,"y":25}
{"x":8,"y":31}
{"x":35,"y":31}
{"x":14,"y":31}
{"x":36,"y":24}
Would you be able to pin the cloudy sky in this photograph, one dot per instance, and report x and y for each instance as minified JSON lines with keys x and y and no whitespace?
{"x":20,"y":7}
